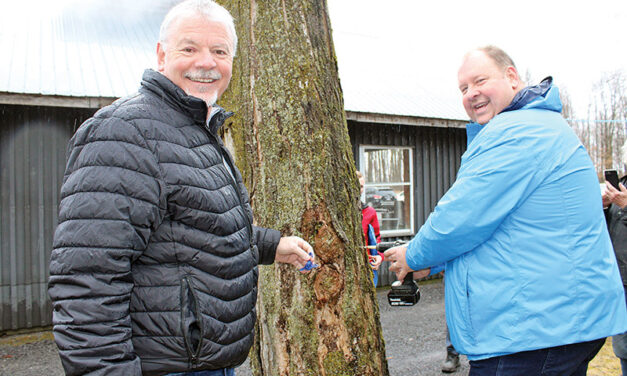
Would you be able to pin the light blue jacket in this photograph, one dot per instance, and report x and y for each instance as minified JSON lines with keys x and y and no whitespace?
{"x":529,"y":263}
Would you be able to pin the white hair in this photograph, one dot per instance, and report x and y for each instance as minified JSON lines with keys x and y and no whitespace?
{"x":205,"y":8}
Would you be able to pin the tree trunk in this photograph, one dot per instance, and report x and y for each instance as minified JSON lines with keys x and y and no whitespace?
{"x":290,"y":140}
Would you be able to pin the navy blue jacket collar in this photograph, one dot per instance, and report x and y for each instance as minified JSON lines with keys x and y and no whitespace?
{"x":528,"y":94}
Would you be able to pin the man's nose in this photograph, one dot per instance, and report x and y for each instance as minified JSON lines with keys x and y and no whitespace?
{"x":471,"y":92}
{"x":206,"y":60}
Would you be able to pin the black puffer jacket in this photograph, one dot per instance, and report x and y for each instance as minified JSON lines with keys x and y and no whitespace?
{"x":616,"y":218}
{"x":154,"y":266}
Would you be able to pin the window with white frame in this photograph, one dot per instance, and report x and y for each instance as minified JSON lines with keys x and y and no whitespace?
{"x":388,"y":172}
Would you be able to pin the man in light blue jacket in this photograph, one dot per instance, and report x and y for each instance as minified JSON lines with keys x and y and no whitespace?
{"x":532,"y":285}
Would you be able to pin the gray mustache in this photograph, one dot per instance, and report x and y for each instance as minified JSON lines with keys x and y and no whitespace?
{"x":203,"y":75}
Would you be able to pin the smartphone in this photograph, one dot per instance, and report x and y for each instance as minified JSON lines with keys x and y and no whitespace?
{"x":611,"y":176}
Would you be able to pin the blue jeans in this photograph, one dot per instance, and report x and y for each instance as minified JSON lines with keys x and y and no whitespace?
{"x":215,"y":372}
{"x":619,"y":343}
{"x":567,"y":360}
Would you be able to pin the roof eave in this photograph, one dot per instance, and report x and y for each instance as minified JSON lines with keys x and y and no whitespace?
{"x":54,"y":100}
{"x":99,"y":102}
{"x":370,"y":117}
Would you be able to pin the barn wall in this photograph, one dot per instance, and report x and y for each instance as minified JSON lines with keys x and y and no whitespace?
{"x":33,"y":141}
{"x":437,"y":154}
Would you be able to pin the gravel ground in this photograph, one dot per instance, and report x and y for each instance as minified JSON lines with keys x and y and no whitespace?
{"x":414,"y":342}
{"x":415,"y":337}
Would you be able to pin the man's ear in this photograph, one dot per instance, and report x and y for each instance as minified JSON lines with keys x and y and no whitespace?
{"x":512,"y":75}
{"x":160,"y":57}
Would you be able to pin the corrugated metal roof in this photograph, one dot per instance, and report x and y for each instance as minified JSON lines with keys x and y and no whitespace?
{"x":418,"y":102}
{"x":98,"y":48}
{"x":376,"y":77}
{"x":90,"y":48}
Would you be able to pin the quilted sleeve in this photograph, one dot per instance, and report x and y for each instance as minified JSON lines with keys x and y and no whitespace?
{"x":111,"y":200}
{"x":266,"y":240}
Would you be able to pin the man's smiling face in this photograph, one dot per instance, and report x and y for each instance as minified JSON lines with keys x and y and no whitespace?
{"x":487,"y":89}
{"x":198,"y":57}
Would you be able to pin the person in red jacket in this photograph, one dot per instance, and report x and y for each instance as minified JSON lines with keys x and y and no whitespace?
{"x":369,"y":217}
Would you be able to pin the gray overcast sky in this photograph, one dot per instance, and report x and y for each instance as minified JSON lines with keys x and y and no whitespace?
{"x":422,"y":42}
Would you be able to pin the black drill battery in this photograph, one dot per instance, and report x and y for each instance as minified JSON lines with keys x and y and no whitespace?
{"x":406,"y":293}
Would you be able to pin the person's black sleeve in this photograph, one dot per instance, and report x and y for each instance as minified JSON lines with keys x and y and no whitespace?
{"x":112,"y":199}
{"x":267,"y":241}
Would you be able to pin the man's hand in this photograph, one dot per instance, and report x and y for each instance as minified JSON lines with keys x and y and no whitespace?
{"x":615,"y":196}
{"x":398,"y":263}
{"x":294,"y":250}
{"x":606,"y":198}
{"x":422,"y":273}
{"x":375,"y":261}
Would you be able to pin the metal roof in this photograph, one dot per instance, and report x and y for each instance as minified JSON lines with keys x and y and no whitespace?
{"x":90,"y":48}
{"x":99,"y":49}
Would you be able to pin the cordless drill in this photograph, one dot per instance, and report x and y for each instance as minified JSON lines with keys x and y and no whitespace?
{"x":405,"y":293}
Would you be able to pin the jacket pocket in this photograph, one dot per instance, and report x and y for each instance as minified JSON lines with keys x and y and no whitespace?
{"x":463,"y":296}
{"x":191,"y":320}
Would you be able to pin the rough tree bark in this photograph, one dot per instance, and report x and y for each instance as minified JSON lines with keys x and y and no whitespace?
{"x":290,"y":140}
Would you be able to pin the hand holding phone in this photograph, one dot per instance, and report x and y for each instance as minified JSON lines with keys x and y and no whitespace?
{"x":611,"y":176}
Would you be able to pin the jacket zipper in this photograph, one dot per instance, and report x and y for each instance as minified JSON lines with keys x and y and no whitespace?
{"x":225,"y":156}
{"x":193,"y":353}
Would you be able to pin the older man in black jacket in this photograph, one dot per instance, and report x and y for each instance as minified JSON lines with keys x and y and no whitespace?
{"x":154,"y":266}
